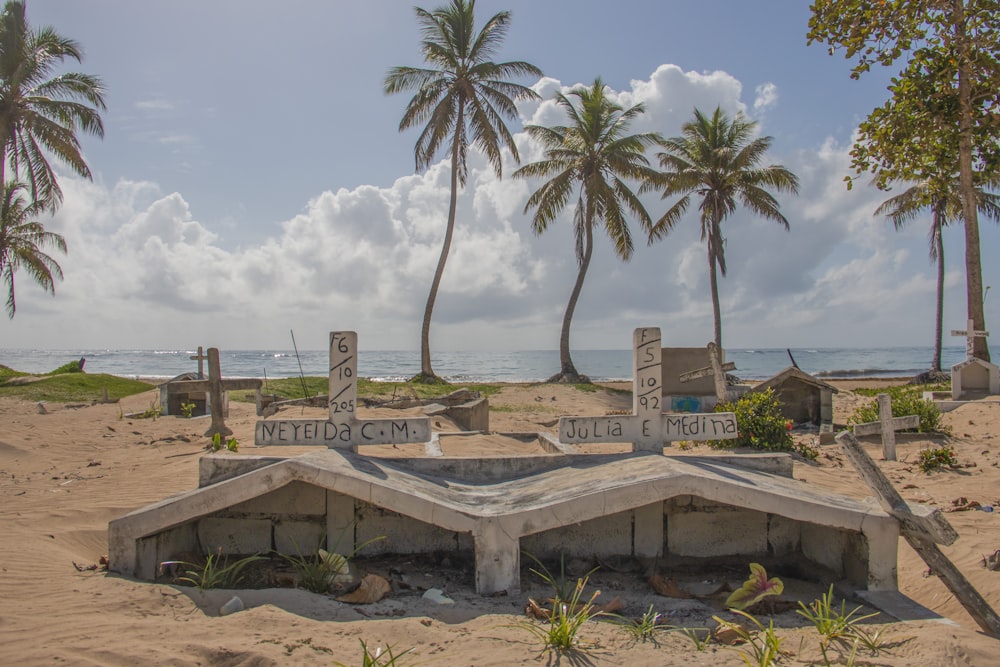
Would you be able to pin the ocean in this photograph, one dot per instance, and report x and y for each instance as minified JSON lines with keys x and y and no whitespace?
{"x":523,"y":366}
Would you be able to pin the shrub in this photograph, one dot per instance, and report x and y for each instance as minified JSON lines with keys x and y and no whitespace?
{"x":759,"y":423}
{"x":905,"y":401}
{"x":938,"y":458}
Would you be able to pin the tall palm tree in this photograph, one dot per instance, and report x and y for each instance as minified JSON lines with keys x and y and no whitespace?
{"x":39,"y":113}
{"x":591,"y":156}
{"x":464,"y":98}
{"x":21,"y":243}
{"x":718,"y":159}
{"x":942,"y":195}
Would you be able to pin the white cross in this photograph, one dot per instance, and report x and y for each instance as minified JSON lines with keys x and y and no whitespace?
{"x":342,"y":430}
{"x":887,"y":425}
{"x":971,"y":334}
{"x":647,"y":428}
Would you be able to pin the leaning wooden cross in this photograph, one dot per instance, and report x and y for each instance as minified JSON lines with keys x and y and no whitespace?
{"x":342,"y":430}
{"x":923,"y":532}
{"x":887,"y":425}
{"x":647,"y":428}
{"x":717,"y":370}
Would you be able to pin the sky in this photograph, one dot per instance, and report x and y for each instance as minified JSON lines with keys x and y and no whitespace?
{"x":252,"y":180}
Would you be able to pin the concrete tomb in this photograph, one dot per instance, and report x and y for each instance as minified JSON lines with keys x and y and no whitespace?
{"x":973,"y":378}
{"x":640,"y":504}
{"x":804,"y":399}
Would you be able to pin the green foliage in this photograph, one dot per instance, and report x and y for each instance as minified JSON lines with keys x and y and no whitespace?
{"x":754,"y":589}
{"x":906,"y":400}
{"x":378,"y":657}
{"x":292,"y":388}
{"x":317,"y":573}
{"x":231,"y":445}
{"x":215,"y":572}
{"x":759,"y":423}
{"x":763,"y":643}
{"x":839,"y":627}
{"x":567,"y":618}
{"x":7,"y":372}
{"x":700,"y":637}
{"x":71,"y":367}
{"x":74,"y":387}
{"x":937,"y":458}
{"x":562,"y":588}
{"x":644,"y":628}
{"x":187,"y":410}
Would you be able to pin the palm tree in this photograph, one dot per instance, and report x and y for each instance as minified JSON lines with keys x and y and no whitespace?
{"x":942,"y":195}
{"x":463,"y":98}
{"x":39,"y":114}
{"x":718,"y":159}
{"x":21,"y":241}
{"x":590,"y":156}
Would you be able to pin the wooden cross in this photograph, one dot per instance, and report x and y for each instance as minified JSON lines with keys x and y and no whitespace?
{"x":215,"y":386}
{"x":342,"y":430}
{"x":887,"y":425}
{"x":717,"y":370}
{"x":200,"y":357}
{"x":923,"y":532}
{"x":971,"y":334}
{"x":647,"y":428}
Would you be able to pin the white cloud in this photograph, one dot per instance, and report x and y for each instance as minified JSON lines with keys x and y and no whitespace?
{"x":144,"y":271}
{"x":767,"y":97}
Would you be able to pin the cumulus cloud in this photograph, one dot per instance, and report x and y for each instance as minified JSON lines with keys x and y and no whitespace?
{"x":144,"y":271}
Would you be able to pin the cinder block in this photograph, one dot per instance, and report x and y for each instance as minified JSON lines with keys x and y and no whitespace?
{"x":472,"y":416}
{"x":824,"y":545}
{"x":299,"y":538}
{"x":718,"y":531}
{"x":783,"y":535}
{"x":234,"y":536}
{"x":605,"y":536}
{"x":404,"y":535}
{"x":294,"y":498}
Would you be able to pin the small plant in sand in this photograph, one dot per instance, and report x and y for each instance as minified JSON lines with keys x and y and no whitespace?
{"x":378,"y":657}
{"x":232,"y":445}
{"x":565,"y":620}
{"x":937,"y":458}
{"x":215,"y":572}
{"x":838,"y":627}
{"x":645,"y":628}
{"x":317,"y":574}
{"x":562,"y":587}
{"x":754,"y":589}
{"x":700,"y":637}
{"x":187,"y":410}
{"x":763,"y":644}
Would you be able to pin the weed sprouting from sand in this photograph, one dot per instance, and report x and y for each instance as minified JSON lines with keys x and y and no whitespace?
{"x":763,"y":643}
{"x":645,"y":628}
{"x":937,"y":458}
{"x":318,"y":573}
{"x":378,"y":657}
{"x":562,"y":587}
{"x":187,"y":410}
{"x":232,"y":445}
{"x":700,"y":637}
{"x":565,"y":620}
{"x":839,"y":627}
{"x":215,"y":572}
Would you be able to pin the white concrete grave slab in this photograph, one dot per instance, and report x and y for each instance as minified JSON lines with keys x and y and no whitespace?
{"x":342,"y":430}
{"x":647,"y":428}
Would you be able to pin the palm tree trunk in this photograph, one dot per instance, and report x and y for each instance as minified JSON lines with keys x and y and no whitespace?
{"x":568,"y":370}
{"x":713,"y":282}
{"x":973,"y":267}
{"x":939,"y":318}
{"x":425,"y":333}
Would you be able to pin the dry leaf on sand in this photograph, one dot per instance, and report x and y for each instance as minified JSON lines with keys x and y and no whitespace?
{"x":372,"y":589}
{"x":668,"y":588}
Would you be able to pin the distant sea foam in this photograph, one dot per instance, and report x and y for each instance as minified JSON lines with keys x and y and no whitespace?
{"x":519,"y":366}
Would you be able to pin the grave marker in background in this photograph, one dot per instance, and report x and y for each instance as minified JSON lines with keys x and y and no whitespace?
{"x":342,"y":429}
{"x":887,"y":425}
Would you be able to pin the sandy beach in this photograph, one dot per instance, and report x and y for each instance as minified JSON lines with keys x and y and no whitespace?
{"x":66,"y":473}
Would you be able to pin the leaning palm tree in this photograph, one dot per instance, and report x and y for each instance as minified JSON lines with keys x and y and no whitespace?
{"x":40,"y":113}
{"x":21,"y":243}
{"x":590,"y":157}
{"x":463,"y":98}
{"x":718,"y":159}
{"x":942,"y":195}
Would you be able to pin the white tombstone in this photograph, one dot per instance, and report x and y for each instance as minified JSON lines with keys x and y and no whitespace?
{"x":976,"y":375}
{"x":342,"y":430}
{"x":647,"y":428}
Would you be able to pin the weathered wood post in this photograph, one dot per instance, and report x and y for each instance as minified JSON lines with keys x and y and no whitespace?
{"x":200,"y":357}
{"x":215,"y":392}
{"x":887,"y":425}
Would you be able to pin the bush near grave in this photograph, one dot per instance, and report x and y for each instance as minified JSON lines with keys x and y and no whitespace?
{"x":906,"y":400}
{"x":759,"y":422}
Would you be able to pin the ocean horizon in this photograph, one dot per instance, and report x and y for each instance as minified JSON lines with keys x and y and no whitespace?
{"x":482,"y":366}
